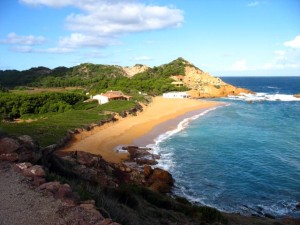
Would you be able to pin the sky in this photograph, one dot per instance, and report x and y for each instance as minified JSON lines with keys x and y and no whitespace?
{"x":222,"y":37}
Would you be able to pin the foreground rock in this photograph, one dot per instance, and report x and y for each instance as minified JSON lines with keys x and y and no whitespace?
{"x":94,"y":169}
{"x":48,"y":203}
{"x":21,"y":149}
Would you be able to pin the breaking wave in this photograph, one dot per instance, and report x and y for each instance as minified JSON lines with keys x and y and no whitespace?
{"x":264,"y":97}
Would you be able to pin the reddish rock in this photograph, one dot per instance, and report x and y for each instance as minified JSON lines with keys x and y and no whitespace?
{"x":64,"y":191}
{"x":160,"y":174}
{"x":29,"y":151}
{"x":147,"y":171}
{"x":50,"y":186}
{"x":22,"y":166}
{"x":38,"y":181}
{"x":160,"y":180}
{"x":160,"y":186}
{"x":145,"y":161}
{"x":106,"y":221}
{"x":34,"y":171}
{"x":10,"y":157}
{"x":8,"y":145}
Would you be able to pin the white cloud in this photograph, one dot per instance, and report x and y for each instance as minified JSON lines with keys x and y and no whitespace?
{"x":107,"y":20}
{"x":13,"y":38}
{"x":76,"y":40}
{"x":253,"y":4}
{"x":239,"y":65}
{"x":22,"y":49}
{"x":284,"y":59}
{"x":116,"y":16}
{"x":30,"y":49}
{"x":295,"y":43}
{"x":142,"y":58}
{"x":122,"y":18}
{"x":55,"y":50}
{"x":288,"y":58}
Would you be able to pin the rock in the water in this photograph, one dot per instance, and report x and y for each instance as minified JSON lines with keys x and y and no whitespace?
{"x":160,"y":180}
{"x":297,"y":95}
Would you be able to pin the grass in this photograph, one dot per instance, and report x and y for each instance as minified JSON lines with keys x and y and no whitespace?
{"x":51,"y":127}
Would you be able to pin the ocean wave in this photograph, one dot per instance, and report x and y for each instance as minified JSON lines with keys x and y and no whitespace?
{"x":166,"y":162}
{"x":264,"y":97}
{"x":271,"y":87}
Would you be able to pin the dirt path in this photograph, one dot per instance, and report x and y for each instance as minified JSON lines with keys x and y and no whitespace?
{"x":21,"y":204}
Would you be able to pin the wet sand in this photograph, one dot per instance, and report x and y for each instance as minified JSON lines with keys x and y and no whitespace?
{"x":102,"y":140}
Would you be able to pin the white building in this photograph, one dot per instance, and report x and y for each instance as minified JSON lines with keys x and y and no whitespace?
{"x":111,"y":96}
{"x":176,"y":95}
{"x":101,"y":99}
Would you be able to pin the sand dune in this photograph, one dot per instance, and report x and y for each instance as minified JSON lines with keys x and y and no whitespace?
{"x":102,"y":140}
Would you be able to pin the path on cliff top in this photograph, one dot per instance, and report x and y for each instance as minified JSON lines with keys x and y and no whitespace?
{"x":21,"y":204}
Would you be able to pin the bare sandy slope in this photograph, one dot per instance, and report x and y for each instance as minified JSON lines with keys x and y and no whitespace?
{"x":102,"y":140}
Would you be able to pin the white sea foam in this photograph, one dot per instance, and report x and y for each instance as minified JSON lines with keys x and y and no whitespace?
{"x":166,"y":161}
{"x":264,"y":97}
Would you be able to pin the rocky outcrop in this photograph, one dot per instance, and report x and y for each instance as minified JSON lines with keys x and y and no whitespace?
{"x":131,"y":71}
{"x":21,"y":149}
{"x":141,"y":156}
{"x":158,"y":179}
{"x":204,"y":85}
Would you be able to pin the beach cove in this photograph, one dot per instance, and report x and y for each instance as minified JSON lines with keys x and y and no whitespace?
{"x":103,"y":140}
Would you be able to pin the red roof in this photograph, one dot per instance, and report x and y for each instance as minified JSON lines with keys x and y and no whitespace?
{"x":116,"y":94}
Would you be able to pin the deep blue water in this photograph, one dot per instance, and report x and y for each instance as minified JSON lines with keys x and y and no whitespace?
{"x":241,"y":157}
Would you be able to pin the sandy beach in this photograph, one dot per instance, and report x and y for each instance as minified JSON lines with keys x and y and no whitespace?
{"x":102,"y":140}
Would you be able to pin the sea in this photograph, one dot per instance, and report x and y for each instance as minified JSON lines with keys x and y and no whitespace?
{"x":243,"y":156}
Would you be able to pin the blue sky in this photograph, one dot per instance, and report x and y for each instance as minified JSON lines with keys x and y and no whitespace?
{"x":232,"y":37}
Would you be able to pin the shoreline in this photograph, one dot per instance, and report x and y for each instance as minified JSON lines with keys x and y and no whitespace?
{"x":161,"y":113}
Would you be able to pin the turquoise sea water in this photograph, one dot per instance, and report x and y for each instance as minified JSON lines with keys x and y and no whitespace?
{"x":243,"y":157}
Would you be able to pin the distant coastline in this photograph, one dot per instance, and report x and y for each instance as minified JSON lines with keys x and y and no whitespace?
{"x":135,"y":129}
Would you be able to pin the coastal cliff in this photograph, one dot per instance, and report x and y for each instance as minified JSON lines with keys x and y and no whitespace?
{"x":204,"y":85}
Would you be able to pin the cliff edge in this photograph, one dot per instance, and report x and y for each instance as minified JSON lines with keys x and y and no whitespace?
{"x":204,"y":85}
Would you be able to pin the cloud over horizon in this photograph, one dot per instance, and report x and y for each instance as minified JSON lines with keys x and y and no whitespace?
{"x":101,"y":22}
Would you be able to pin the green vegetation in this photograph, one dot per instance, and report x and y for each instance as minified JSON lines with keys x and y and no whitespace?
{"x":48,"y":128}
{"x":51,"y":114}
{"x":14,"y":106}
{"x":97,"y":78}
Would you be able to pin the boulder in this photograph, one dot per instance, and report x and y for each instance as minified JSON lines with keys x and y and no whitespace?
{"x":160,"y":186}
{"x":147,"y":171}
{"x":29,"y":150}
{"x":34,"y":171}
{"x":10,"y":157}
{"x":22,"y":166}
{"x":8,"y":145}
{"x":160,"y":174}
{"x":146,"y":161}
{"x":160,"y":181}
{"x":50,"y":186}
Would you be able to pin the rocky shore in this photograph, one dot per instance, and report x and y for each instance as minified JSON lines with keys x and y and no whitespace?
{"x":39,"y":186}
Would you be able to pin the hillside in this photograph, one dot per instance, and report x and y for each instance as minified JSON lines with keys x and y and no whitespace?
{"x":99,"y":78}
